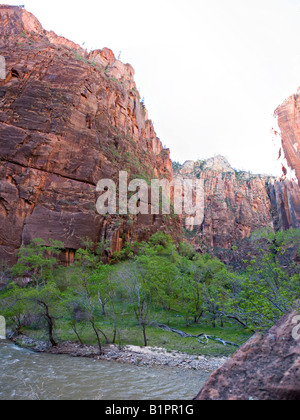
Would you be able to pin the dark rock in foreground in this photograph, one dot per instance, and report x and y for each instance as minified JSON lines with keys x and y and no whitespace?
{"x":265,"y":368}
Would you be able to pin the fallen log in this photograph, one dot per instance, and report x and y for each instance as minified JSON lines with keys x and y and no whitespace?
{"x":202,"y":335}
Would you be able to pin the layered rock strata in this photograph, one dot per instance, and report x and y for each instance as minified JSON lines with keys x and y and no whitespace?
{"x":236,"y":203}
{"x":69,"y":118}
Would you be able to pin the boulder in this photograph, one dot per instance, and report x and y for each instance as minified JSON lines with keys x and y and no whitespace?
{"x":267,"y":367}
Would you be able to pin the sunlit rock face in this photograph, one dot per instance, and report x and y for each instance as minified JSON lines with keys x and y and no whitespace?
{"x":67,"y":120}
{"x":288,"y":117}
{"x":287,"y":187}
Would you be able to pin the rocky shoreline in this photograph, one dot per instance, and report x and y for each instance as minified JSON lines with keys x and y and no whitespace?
{"x":138,"y":356}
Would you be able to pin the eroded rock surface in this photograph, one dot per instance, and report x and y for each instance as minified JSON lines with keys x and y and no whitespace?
{"x":67,"y":120}
{"x":265,"y":368}
{"x":288,"y":186}
{"x":236,"y":203}
{"x":239,"y":203}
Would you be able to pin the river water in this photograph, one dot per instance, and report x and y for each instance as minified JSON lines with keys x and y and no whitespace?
{"x":25,"y":375}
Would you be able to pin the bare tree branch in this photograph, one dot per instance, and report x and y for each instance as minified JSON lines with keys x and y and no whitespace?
{"x":186,"y":335}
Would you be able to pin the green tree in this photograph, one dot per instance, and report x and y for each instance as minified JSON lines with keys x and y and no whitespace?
{"x":160,"y":274}
{"x":162,"y":244}
{"x":13,"y":307}
{"x":200,"y":284}
{"x":38,"y":260}
{"x":190,"y":286}
{"x":87,"y":292}
{"x":187,"y":250}
{"x":45,"y":302}
{"x":259,"y":297}
{"x":138,"y":293}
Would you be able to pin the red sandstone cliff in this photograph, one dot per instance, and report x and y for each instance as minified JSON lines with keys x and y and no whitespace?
{"x":288,"y":115}
{"x":236,"y":203}
{"x":288,"y":186}
{"x":67,"y":120}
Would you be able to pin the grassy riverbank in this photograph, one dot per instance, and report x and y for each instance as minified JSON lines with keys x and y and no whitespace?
{"x":151,"y":284}
{"x":129,"y":333}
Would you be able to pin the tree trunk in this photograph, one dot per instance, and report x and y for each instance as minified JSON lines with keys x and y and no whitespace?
{"x":145,"y":336}
{"x":77,"y":335}
{"x":197,"y":318}
{"x":103,"y":304}
{"x":50,"y":322}
{"x":186,"y":335}
{"x":104,"y":335}
{"x":18,"y":324}
{"x":52,"y":341}
{"x":115,"y":322}
{"x":98,"y":338}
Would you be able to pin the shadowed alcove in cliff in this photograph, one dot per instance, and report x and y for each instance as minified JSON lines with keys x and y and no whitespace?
{"x":67,"y":256}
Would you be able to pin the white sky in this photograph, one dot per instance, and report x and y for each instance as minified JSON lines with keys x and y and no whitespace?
{"x":212,"y":71}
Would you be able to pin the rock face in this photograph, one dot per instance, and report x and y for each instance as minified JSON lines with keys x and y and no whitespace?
{"x":236,"y":203}
{"x":285,"y":198}
{"x":288,"y":187}
{"x":265,"y":368}
{"x":67,"y":120}
{"x":288,"y":117}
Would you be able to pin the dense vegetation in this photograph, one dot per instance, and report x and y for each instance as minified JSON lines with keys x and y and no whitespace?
{"x":146,"y":285}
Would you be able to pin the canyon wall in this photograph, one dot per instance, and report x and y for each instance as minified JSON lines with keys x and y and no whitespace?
{"x":288,"y":186}
{"x":239,"y":203}
{"x":69,"y":118}
{"x":288,"y":117}
{"x":236,"y":203}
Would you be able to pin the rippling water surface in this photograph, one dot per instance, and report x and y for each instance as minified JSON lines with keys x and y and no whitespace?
{"x":34,"y":376}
